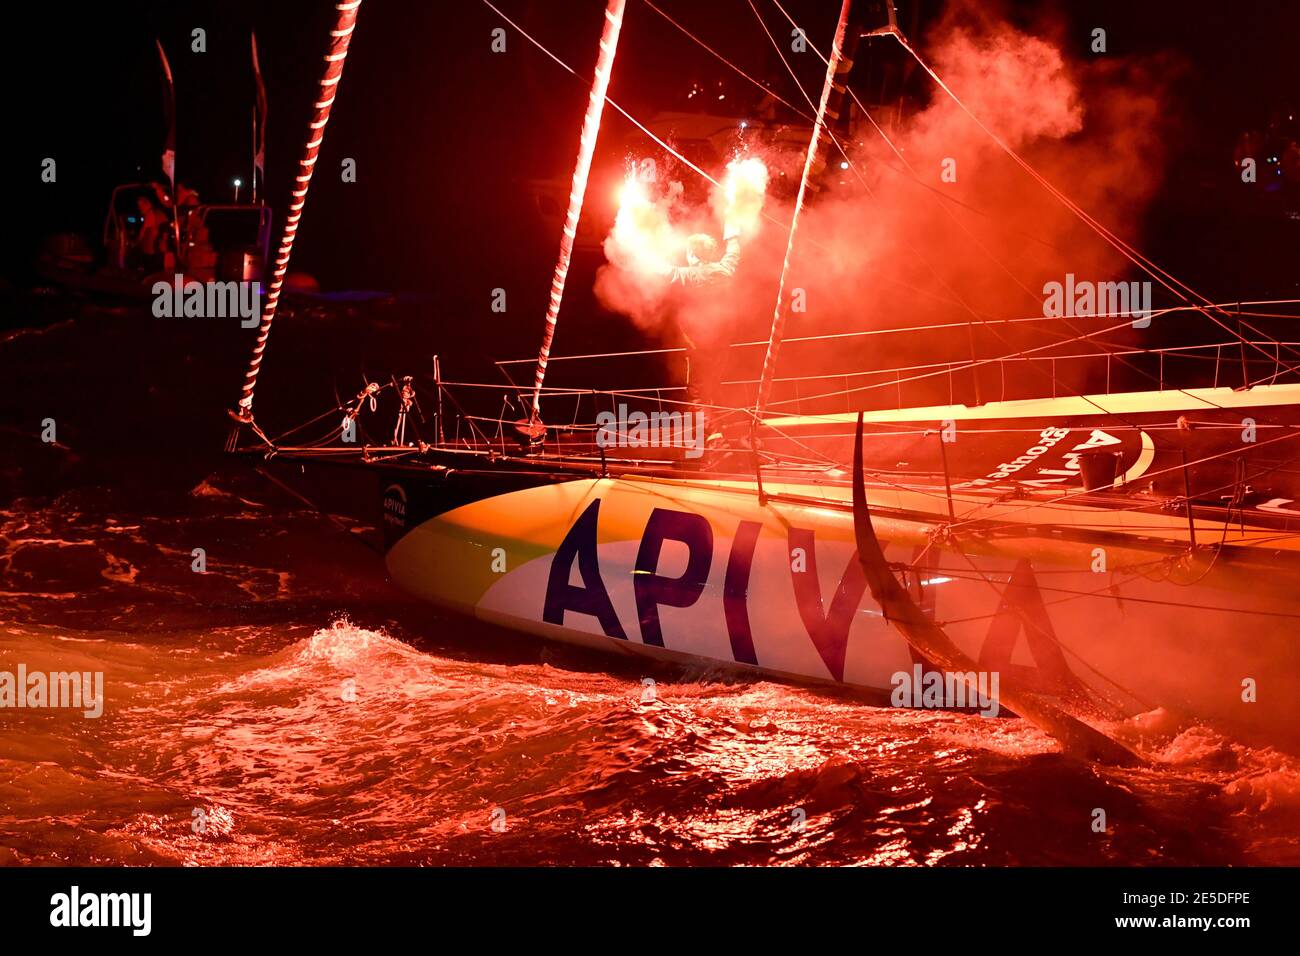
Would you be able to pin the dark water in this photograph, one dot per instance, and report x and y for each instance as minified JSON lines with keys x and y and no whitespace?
{"x":227,"y":739}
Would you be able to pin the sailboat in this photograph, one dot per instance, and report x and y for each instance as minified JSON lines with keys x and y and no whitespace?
{"x":1107,"y":555}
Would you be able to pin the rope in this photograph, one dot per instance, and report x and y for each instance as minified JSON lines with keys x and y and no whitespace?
{"x":758,"y":83}
{"x":833,"y":68}
{"x":582,"y":169}
{"x":1131,"y":254}
{"x":975,"y":364}
{"x":1169,"y":281}
{"x":340,"y":38}
{"x":626,"y":115}
{"x":865,"y":333}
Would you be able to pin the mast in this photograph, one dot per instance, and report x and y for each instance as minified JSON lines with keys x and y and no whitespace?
{"x":259,"y":123}
{"x":340,"y":37}
{"x":834,"y":66}
{"x":169,"y":144}
{"x":586,"y":149}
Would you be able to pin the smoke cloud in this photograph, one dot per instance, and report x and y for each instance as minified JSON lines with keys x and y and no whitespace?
{"x":964,"y":233}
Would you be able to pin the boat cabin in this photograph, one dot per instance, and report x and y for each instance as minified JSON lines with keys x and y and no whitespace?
{"x":217,"y":242}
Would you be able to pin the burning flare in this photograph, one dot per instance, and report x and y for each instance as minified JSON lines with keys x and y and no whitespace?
{"x":644,"y":238}
{"x":743,"y":189}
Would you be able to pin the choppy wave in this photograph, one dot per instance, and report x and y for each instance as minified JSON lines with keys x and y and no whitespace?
{"x":349,"y":745}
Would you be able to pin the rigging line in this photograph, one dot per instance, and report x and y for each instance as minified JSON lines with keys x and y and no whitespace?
{"x":934,"y":272}
{"x":948,"y":212}
{"x":342,"y":526}
{"x":1140,"y":600}
{"x":673,"y":152}
{"x":1138,"y":569}
{"x":856,"y":172}
{"x":667,"y":148}
{"x":307,"y":424}
{"x":339,"y":407}
{"x":1147,"y":265}
{"x":833,"y":69}
{"x":915,"y":178}
{"x":1114,"y":349}
{"x":757,"y":83}
{"x":1023,"y":353}
{"x":902,"y":40}
{"x":786,"y":63}
{"x":644,"y":129}
{"x":953,"y":200}
{"x":956,"y":300}
{"x":578,"y":189}
{"x":1109,"y":592}
{"x":928,"y":638}
{"x":819,"y":461}
{"x":1128,"y":251}
{"x":628,"y":116}
{"x":911,"y":171}
{"x":1029,"y":626}
{"x":862,"y":333}
{"x":327,"y":91}
{"x":451,"y":396}
{"x":1109,"y":352}
{"x":1265,"y":468}
{"x":780,"y":481}
{"x":822,"y":457}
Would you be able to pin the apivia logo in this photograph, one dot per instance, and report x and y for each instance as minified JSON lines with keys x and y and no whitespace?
{"x":208,"y":300}
{"x":74,"y":908}
{"x":1064,"y":463}
{"x":395,"y":506}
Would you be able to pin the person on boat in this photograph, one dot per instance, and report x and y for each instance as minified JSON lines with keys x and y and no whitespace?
{"x":706,"y":265}
{"x":193,"y":232}
{"x":697,"y":303}
{"x":704,"y":279}
{"x":151,"y":238}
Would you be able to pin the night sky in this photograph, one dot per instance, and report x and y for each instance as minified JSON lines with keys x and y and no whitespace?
{"x":444,"y":131}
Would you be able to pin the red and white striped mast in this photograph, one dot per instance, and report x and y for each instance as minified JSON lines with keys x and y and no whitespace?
{"x":340,"y":38}
{"x":586,"y":150}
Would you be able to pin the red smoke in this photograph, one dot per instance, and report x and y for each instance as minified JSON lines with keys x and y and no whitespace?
{"x":890,"y":252}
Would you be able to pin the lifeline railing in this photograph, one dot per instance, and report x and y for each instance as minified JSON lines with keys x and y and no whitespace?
{"x":480,"y":416}
{"x":483,"y":414}
{"x":1156,"y":379}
